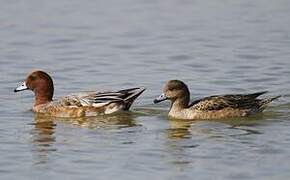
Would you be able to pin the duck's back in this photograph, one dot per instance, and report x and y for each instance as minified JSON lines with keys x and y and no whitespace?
{"x":90,"y":103}
{"x":221,"y":106}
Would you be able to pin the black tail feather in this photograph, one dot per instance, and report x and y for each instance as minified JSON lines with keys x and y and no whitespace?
{"x":274,"y":98}
{"x":257,"y":94}
{"x":134,"y":93}
{"x":264,"y":102}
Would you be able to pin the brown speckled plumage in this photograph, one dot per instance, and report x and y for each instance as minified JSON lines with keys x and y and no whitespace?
{"x":220,"y":106}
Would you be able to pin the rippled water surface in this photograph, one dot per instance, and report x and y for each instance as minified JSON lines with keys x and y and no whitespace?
{"x":216,"y":47}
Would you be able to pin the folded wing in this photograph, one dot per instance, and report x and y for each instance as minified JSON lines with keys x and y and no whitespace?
{"x":98,"y":99}
{"x":240,"y":101}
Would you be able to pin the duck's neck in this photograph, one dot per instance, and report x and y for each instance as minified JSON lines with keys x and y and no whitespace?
{"x":180,"y":103}
{"x":43,"y":96}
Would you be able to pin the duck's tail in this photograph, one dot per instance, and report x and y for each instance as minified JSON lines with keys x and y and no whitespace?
{"x":274,"y":98}
{"x":264,"y":102}
{"x":255,"y":95}
{"x":132,"y":93}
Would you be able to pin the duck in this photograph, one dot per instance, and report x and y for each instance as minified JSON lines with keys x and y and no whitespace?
{"x":82,"y":104}
{"x":212,"y":107}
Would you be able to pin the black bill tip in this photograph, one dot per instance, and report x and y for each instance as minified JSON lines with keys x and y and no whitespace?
{"x":156,"y":101}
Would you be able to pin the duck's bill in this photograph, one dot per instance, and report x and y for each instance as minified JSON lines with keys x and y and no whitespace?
{"x":159,"y":99}
{"x":21,"y":87}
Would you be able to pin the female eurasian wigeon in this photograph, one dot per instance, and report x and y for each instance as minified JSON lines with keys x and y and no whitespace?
{"x":213,"y":107}
{"x":91,"y":103}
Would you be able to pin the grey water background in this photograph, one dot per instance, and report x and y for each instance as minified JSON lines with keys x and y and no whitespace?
{"x":216,"y":47}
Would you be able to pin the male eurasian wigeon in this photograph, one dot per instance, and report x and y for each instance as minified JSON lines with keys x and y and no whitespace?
{"x":90,"y":103}
{"x":213,"y":107}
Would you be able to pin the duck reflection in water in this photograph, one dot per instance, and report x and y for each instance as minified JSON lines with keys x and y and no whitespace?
{"x":43,"y":138}
{"x":116,"y":121}
{"x":186,"y":139}
{"x":186,"y":129}
{"x":44,"y":131}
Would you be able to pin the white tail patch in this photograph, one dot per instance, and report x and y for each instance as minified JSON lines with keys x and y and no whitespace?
{"x":113,"y":108}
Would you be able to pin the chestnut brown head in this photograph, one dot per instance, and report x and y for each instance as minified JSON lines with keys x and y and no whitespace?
{"x":40,"y":83}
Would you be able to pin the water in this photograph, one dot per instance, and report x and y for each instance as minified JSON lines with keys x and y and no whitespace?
{"x":216,"y":47}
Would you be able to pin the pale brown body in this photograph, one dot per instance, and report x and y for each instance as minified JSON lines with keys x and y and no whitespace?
{"x":213,"y":107}
{"x":91,"y":103}
{"x":191,"y":113}
{"x":56,"y":110}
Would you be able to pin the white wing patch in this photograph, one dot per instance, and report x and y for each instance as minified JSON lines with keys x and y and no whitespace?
{"x":100,"y":104}
{"x":91,"y":99}
{"x":110,"y":101}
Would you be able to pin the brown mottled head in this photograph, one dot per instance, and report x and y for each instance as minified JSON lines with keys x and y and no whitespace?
{"x":41,"y":84}
{"x":174,"y":90}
